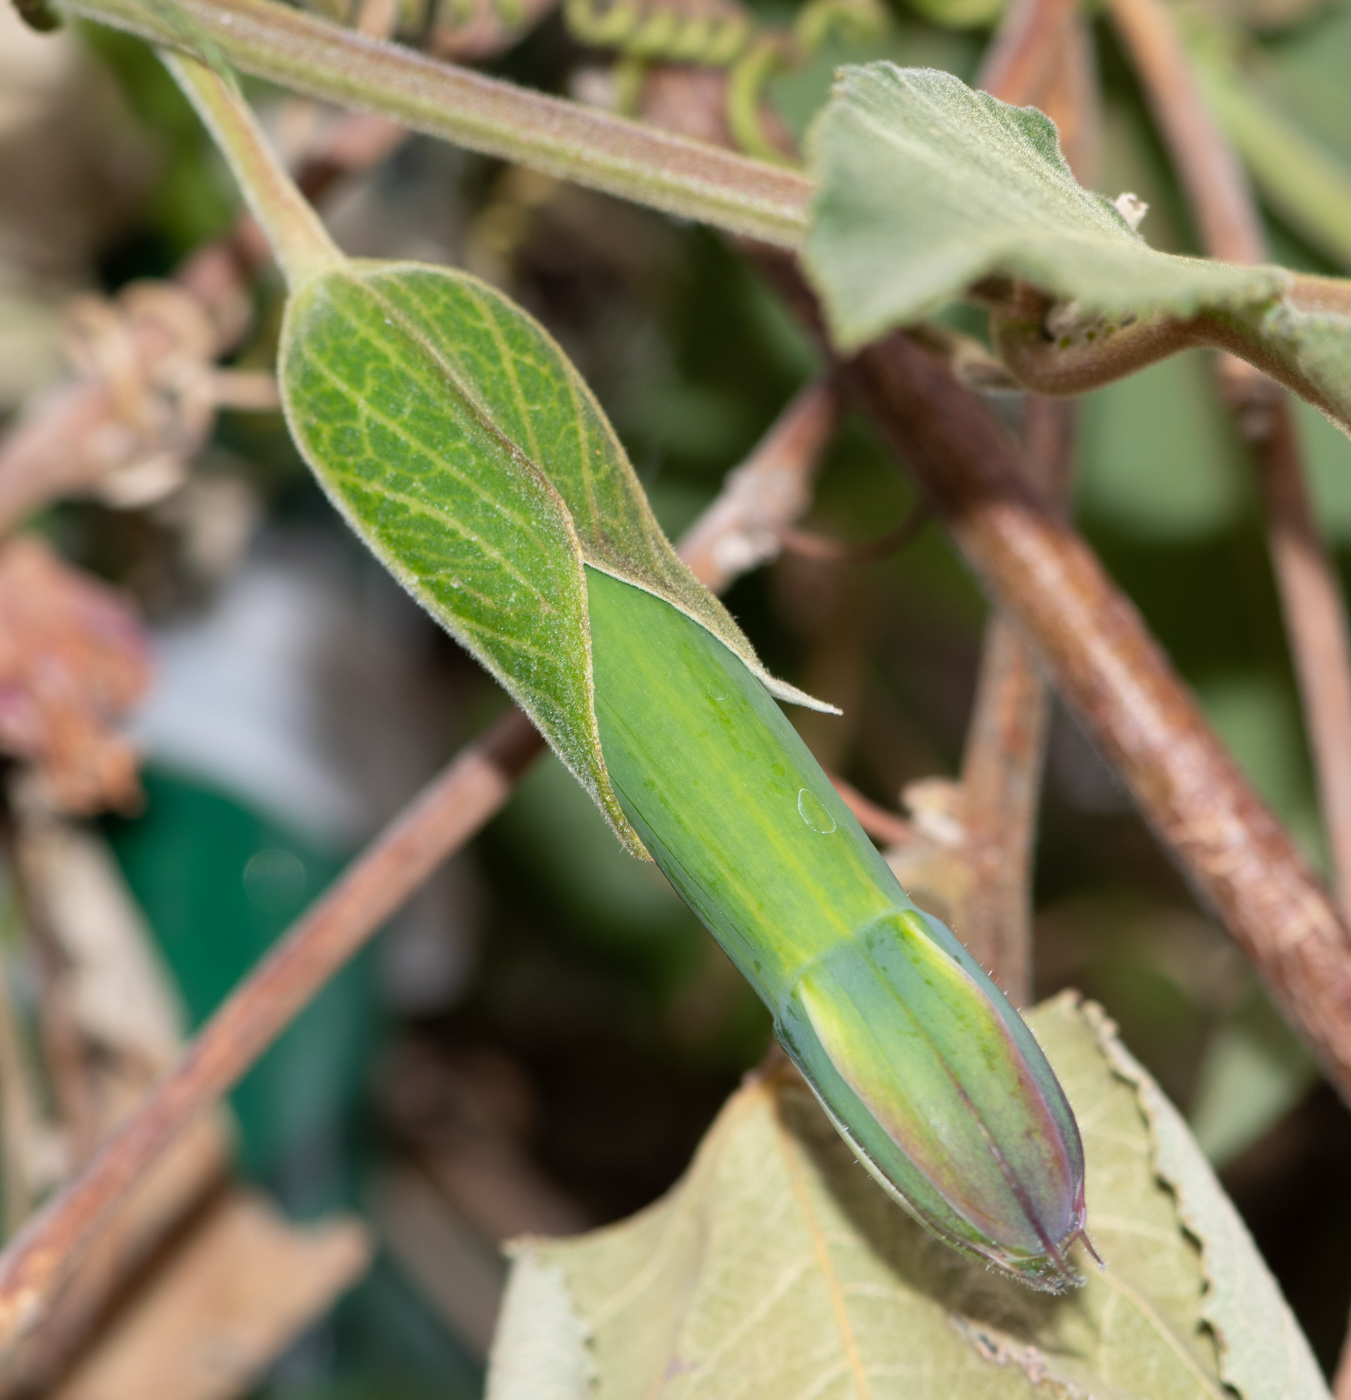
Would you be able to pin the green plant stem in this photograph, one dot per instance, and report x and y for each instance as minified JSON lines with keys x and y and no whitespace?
{"x":630,"y":159}
{"x":594,"y":148}
{"x":1017,"y":328}
{"x":298,"y":238}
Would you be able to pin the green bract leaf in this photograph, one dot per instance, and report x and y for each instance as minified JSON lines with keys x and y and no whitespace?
{"x":460,"y":443}
{"x":927,"y":188}
{"x":777,"y":1268}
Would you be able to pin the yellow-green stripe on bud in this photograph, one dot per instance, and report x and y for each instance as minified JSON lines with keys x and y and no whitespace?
{"x":916,"y":1055}
{"x":951,"y":1105}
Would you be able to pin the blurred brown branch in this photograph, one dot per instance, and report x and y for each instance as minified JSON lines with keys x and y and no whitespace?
{"x":1005,"y":753}
{"x":1230,"y":228}
{"x":744,"y":527}
{"x":1113,"y":674}
{"x":876,"y":821}
{"x":1029,"y":48}
{"x":1041,"y":55}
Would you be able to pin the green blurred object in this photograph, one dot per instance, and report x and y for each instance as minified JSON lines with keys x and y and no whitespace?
{"x":1157,"y":455}
{"x":193,"y":201}
{"x":1254,"y":1072}
{"x":1327,"y":465}
{"x":219,"y":883}
{"x":1257,"y":716}
{"x":1298,"y":176}
{"x":959,"y":14}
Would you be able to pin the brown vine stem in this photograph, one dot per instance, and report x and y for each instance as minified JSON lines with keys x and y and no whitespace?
{"x":1231,"y":229}
{"x":887,"y":827}
{"x":743,"y":528}
{"x":1041,"y":56}
{"x":1311,"y":599}
{"x":1115,"y":677}
{"x":1006,"y":750}
{"x":448,"y":813}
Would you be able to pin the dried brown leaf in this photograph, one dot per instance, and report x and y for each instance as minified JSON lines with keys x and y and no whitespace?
{"x":223,"y":1305}
{"x":73,"y":659}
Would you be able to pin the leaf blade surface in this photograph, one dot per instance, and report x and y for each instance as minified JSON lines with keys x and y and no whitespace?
{"x":927,"y":188}
{"x":463,"y":447}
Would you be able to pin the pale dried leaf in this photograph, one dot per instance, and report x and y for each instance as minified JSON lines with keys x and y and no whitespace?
{"x":776,"y":1267}
{"x":121,"y":998}
{"x":1272,"y":1360}
{"x":541,"y":1350}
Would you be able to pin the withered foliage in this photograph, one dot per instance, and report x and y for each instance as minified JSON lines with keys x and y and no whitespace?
{"x":73,"y":660}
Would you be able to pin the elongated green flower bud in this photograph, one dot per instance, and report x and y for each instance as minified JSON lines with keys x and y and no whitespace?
{"x":916,"y":1055}
{"x":463,"y":447}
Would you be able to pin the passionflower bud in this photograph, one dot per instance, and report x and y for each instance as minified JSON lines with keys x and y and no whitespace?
{"x":929,"y":1073}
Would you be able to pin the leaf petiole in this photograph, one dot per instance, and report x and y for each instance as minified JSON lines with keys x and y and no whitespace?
{"x":298,"y":238}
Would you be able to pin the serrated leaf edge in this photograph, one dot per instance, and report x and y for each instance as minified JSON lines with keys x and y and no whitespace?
{"x":1178,"y":1161}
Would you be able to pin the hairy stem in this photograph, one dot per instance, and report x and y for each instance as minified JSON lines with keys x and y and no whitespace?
{"x":1047,"y":366}
{"x":297,"y":236}
{"x":582,"y":144}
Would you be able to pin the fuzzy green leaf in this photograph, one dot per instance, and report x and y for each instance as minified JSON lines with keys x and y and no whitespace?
{"x":460,"y":443}
{"x":777,"y":1267}
{"x":926,"y":188}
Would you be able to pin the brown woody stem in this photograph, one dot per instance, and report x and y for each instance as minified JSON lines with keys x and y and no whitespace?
{"x":1311,"y":599}
{"x":1231,"y":229}
{"x":1112,"y":673}
{"x":1006,"y":747}
{"x":1040,"y":56}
